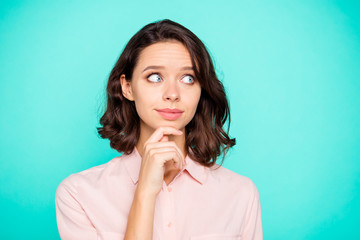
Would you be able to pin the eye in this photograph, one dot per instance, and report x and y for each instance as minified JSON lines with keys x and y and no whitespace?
{"x":154,"y":77}
{"x":189,"y":79}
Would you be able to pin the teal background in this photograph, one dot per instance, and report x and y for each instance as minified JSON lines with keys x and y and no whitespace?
{"x":290,"y":68}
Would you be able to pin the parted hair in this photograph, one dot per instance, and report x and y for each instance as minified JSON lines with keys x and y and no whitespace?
{"x":204,"y":134}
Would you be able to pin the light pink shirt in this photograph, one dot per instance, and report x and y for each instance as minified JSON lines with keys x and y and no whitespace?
{"x":201,"y":203}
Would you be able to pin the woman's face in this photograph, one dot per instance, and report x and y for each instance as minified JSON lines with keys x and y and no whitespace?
{"x":162,"y":80}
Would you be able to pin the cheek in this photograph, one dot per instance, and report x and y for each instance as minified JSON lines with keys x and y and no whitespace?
{"x":144,"y":100}
{"x":193,"y":100}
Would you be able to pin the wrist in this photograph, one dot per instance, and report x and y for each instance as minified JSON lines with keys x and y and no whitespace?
{"x":142,"y":194}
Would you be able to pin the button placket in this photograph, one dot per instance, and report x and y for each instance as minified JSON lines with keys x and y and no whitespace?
{"x":170,"y":224}
{"x":165,"y":210}
{"x":169,"y":208}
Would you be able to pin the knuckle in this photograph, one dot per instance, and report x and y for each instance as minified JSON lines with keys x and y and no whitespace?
{"x":146,"y":146}
{"x":151,"y":152}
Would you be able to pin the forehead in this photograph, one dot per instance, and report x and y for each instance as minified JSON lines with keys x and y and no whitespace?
{"x":169,"y":53}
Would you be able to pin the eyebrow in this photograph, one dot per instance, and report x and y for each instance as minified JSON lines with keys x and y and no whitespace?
{"x":162,"y":67}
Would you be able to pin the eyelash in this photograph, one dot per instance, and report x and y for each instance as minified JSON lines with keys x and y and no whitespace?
{"x":160,"y":75}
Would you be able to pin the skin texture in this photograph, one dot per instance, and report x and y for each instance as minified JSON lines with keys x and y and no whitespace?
{"x":162,"y":141}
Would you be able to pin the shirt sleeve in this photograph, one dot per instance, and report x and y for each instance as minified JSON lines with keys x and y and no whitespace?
{"x":253,"y":224}
{"x":72,"y":221}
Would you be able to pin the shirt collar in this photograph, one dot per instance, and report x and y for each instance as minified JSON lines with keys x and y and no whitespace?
{"x":132,"y":163}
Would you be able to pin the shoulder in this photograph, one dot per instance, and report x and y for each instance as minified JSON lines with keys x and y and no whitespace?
{"x":232,"y":181}
{"x":88,"y":177}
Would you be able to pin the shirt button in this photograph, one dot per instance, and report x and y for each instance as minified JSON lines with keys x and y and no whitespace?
{"x":169,"y":189}
{"x":169,"y":224}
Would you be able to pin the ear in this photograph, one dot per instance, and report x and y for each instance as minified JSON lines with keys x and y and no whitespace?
{"x":126,"y":88}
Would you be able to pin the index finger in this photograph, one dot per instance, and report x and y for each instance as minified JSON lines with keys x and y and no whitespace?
{"x":161,"y":131}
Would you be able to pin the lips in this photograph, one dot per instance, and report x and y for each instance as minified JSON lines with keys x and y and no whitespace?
{"x":170,"y":114}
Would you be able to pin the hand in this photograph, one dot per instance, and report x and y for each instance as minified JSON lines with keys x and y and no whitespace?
{"x":157,"y":152}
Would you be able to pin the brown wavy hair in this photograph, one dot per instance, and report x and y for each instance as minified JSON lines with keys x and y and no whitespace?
{"x":204,"y":133}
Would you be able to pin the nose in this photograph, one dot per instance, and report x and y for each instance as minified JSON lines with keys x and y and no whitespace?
{"x":171,"y":92}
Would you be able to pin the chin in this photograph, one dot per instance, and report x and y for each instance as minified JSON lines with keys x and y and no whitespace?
{"x":177,"y":124}
{"x":173,"y":124}
{"x":169,"y":124}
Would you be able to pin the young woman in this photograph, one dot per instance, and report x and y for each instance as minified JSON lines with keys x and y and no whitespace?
{"x":165,"y":111}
